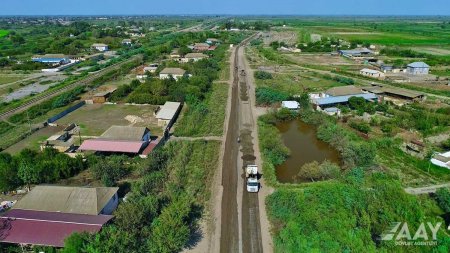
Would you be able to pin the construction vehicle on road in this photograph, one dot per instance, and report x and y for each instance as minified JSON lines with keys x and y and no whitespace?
{"x":251,"y":174}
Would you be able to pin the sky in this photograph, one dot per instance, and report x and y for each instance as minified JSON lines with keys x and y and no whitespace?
{"x":232,"y":7}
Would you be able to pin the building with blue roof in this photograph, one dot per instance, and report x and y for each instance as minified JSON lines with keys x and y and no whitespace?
{"x":53,"y":59}
{"x":418,"y":68}
{"x":332,"y":101}
{"x":355,"y":53}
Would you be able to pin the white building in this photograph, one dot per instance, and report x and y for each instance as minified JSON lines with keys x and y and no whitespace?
{"x":100,"y":47}
{"x":372,"y":73}
{"x":291,"y":105}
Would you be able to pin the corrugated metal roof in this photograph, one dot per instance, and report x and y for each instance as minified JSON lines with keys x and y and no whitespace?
{"x":342,"y":99}
{"x":57,"y":216}
{"x":195,"y":55}
{"x":77,"y":200}
{"x":125,"y":133}
{"x":99,"y":45}
{"x":168,"y":110}
{"x":173,"y":71}
{"x":103,"y":145}
{"x":394,"y":91}
{"x":419,"y":64}
{"x":46,"y":228}
{"x":343,"y":90}
{"x":371,"y":71}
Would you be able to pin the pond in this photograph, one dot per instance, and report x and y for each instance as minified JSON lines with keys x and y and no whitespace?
{"x":304,"y":146}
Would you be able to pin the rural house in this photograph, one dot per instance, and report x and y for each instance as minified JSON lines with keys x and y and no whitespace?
{"x":176,"y":73}
{"x":100,"y":47}
{"x":201,"y":47}
{"x":47,"y":215}
{"x":194,"y":57}
{"x":418,"y":68}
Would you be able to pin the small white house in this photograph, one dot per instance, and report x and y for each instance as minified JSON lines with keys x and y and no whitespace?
{"x":291,"y":105}
{"x":100,"y":47}
{"x":372,"y":73}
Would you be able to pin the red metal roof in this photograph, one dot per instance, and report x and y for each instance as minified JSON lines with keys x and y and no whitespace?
{"x":112,"y":146}
{"x":150,"y":147}
{"x":46,"y":228}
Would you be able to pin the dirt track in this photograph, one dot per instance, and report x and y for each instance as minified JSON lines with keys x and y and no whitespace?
{"x":241,"y":230}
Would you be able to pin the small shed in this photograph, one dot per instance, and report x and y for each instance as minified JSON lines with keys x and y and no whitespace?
{"x":102,"y":97}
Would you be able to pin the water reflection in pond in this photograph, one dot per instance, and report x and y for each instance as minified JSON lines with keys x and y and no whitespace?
{"x":301,"y":140}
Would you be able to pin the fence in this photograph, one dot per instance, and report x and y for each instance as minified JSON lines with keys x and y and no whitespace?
{"x":65,"y":112}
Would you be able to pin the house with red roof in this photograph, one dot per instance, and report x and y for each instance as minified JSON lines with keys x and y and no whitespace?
{"x":119,"y":139}
{"x":47,"y":215}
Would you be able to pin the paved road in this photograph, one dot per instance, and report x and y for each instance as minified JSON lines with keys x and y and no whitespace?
{"x":241,"y":230}
{"x":426,"y":190}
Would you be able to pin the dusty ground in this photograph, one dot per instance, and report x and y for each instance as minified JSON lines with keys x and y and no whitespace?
{"x":320,"y":59}
{"x":95,"y":119}
{"x":289,"y":37}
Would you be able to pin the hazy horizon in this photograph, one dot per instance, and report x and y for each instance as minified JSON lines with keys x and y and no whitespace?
{"x":231,"y":7}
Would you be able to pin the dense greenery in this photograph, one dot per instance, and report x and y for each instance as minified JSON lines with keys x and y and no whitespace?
{"x":263,"y":75}
{"x":349,"y":215}
{"x":162,"y":209}
{"x":204,"y":118}
{"x":431,"y":60}
{"x":268,"y":96}
{"x":32,"y":167}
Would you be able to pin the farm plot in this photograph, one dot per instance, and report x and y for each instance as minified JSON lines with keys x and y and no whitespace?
{"x":95,"y":119}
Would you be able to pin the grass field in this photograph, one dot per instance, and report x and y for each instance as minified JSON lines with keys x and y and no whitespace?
{"x":384,"y":32}
{"x":3,"y":33}
{"x":95,"y":119}
{"x":4,"y":79}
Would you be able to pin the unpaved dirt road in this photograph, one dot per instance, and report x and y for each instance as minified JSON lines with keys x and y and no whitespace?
{"x":241,"y":231}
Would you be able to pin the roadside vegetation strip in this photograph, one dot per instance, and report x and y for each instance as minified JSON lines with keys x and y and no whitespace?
{"x":164,"y":206}
{"x":205,"y":118}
